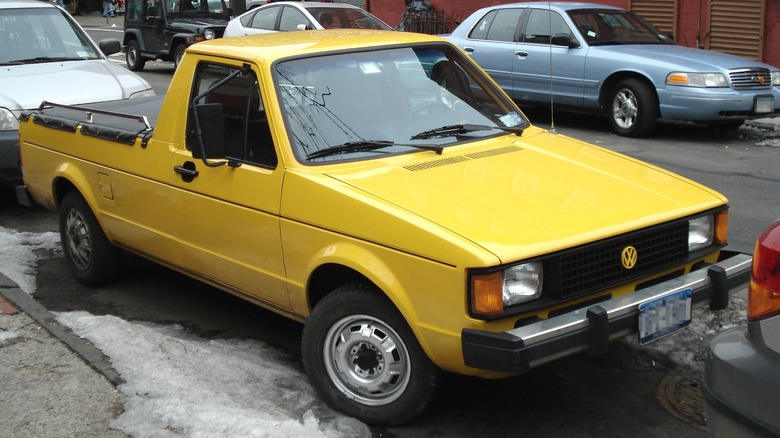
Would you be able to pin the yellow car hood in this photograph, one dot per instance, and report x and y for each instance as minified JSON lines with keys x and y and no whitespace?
{"x":518,"y":197}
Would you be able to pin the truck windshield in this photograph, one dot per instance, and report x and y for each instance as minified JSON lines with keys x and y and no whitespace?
{"x":389,"y":101}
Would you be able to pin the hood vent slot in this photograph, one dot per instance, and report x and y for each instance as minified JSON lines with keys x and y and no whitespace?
{"x":459,"y":159}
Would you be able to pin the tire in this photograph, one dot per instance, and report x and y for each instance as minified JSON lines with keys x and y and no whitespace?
{"x":178,"y":53}
{"x":91,"y":258}
{"x":387,"y":386}
{"x":135,"y":61}
{"x":633,"y":108}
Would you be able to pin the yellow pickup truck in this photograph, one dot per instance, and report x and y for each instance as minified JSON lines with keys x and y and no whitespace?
{"x":380,"y":188}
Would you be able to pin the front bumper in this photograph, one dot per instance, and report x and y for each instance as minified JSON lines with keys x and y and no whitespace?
{"x":591,"y":329}
{"x":10,"y":172}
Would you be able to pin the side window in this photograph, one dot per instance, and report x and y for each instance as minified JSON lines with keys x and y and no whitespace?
{"x":542,"y":24}
{"x":133,"y":9}
{"x":292,"y":18}
{"x":265,"y":18}
{"x":247,"y":133}
{"x":498,"y":25}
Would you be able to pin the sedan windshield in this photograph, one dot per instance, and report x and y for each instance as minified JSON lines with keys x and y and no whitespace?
{"x":606,"y":26}
{"x":41,"y":35}
{"x":370,"y":104}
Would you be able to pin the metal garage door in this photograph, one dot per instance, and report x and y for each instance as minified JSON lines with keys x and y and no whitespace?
{"x":661,"y":13}
{"x":737,"y":27}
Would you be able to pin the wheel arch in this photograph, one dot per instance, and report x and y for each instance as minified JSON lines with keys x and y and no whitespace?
{"x":609,"y":84}
{"x":134,"y":35}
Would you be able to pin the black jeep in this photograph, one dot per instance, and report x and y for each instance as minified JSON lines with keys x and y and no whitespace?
{"x":162,"y":29}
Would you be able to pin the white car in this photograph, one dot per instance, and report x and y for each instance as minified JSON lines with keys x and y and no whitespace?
{"x":46,"y":55}
{"x":284,"y":16}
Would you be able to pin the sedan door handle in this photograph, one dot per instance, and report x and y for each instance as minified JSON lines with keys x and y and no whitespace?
{"x":521,"y":54}
{"x":468,"y":49}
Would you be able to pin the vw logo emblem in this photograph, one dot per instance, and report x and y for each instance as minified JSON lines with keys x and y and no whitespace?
{"x":628,"y":257}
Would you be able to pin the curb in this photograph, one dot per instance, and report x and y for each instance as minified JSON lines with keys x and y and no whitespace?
{"x":14,"y":298}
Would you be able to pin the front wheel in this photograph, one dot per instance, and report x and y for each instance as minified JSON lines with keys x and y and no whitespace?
{"x":633,"y":108}
{"x":178,"y":54}
{"x":363,"y":359}
{"x":90,"y":256}
{"x":135,"y":61}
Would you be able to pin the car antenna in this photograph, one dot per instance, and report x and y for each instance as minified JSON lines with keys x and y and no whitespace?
{"x":552,"y":99}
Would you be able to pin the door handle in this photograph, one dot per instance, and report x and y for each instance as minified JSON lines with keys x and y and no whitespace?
{"x":187,"y":171}
{"x":468,"y":49}
{"x":521,"y":54}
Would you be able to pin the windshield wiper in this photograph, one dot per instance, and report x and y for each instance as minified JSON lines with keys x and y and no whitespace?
{"x":44,"y":59}
{"x":464,"y":128}
{"x":367,"y":145}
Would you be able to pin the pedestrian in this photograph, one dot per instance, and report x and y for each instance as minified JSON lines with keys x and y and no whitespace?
{"x":108,"y":7}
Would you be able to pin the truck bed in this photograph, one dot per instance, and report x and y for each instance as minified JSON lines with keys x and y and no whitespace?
{"x":116,"y":120}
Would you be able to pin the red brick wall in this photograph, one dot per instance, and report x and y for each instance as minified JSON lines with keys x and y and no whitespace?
{"x":691,"y":22}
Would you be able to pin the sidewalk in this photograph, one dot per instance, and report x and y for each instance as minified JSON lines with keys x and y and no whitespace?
{"x":47,"y":389}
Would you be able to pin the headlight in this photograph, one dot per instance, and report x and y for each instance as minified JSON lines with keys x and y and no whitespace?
{"x":491,"y":293}
{"x":8,"y":121}
{"x":697,"y":79}
{"x":145,"y":93}
{"x":209,"y":34}
{"x":701,"y":231}
{"x":776,"y":78}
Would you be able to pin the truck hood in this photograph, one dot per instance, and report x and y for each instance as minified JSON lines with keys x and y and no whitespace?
{"x":197,"y":23}
{"x":521,"y":197}
{"x":74,"y":82}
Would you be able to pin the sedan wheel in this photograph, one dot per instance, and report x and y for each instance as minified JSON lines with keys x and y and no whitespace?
{"x":633,"y":108}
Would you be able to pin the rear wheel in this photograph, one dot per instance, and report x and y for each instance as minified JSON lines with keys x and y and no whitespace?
{"x":633,"y":108}
{"x":363,"y":359}
{"x":91,"y":258}
{"x":135,"y":61}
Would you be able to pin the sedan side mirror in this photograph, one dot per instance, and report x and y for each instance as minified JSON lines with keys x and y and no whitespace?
{"x":564,"y":39}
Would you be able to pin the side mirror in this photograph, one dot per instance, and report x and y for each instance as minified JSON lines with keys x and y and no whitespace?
{"x":209,"y":142}
{"x":109,"y":46}
{"x":564,"y":39}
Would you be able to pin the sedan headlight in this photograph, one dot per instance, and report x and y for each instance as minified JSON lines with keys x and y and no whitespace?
{"x":8,"y":121}
{"x":491,"y":293}
{"x":697,"y":79}
{"x":776,"y":78}
{"x":209,"y":34}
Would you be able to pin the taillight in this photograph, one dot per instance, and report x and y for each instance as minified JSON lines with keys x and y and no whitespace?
{"x":764,"y":289}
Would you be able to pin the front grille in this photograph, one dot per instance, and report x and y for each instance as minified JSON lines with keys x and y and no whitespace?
{"x":598,"y":266}
{"x":750,"y":78}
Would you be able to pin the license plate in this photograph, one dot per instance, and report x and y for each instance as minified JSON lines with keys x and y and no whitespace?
{"x":663,"y":316}
{"x":764,"y":104}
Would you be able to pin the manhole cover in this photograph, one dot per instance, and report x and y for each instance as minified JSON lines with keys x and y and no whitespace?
{"x":681,"y":395}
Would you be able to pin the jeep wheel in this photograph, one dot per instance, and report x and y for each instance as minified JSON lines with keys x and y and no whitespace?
{"x":178,"y":54}
{"x":363,"y":359}
{"x":633,"y":108}
{"x":135,"y":61}
{"x":91,"y":258}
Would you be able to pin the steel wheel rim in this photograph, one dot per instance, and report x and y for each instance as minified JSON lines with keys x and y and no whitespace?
{"x":624,"y":108}
{"x":77,"y":239}
{"x":366,"y":360}
{"x":132,"y":56}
